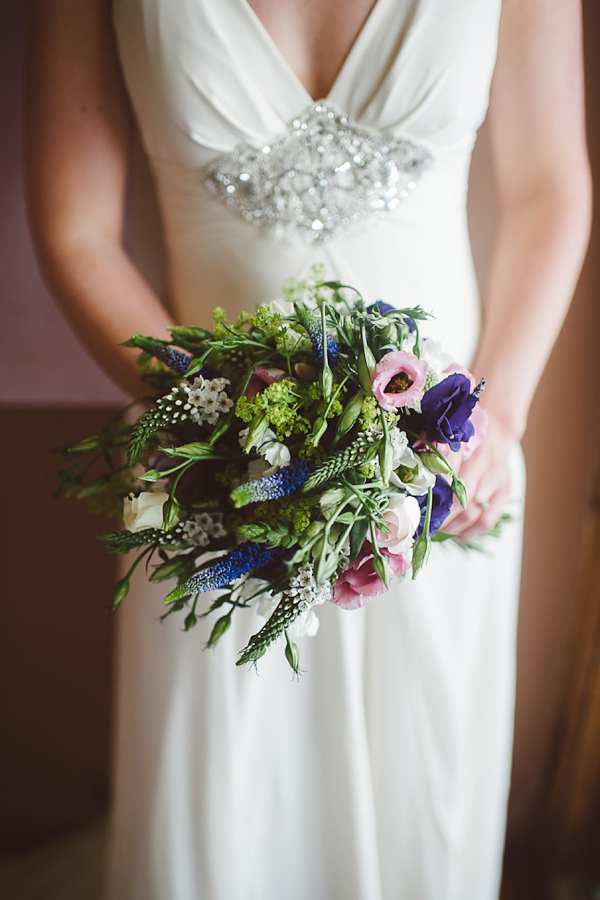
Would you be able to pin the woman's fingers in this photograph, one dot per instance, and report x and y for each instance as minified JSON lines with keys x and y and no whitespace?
{"x":487,"y":485}
{"x":487,"y":518}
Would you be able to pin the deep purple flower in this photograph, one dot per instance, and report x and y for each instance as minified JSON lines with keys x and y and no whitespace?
{"x":445,"y":412}
{"x":442,"y":502}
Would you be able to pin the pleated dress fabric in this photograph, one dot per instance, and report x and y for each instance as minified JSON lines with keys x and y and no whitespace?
{"x":383,"y":773}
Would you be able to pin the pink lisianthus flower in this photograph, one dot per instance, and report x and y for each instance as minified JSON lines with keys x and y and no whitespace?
{"x":479,"y":420}
{"x":479,"y":417}
{"x":355,"y":587}
{"x":260,"y":379}
{"x":399,"y":379}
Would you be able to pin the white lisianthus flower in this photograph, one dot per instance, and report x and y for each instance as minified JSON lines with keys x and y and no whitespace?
{"x":144,"y":511}
{"x":414,"y":478}
{"x":435,"y":356}
{"x":256,"y":592}
{"x":305,"y":625}
{"x":399,"y":441}
{"x":259,"y":468}
{"x":402,"y":518}
{"x":276,"y":453}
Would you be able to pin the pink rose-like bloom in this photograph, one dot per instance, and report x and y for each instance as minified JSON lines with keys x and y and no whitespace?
{"x":399,"y":379}
{"x":479,"y":417}
{"x":402,"y":517}
{"x":260,"y":379}
{"x":355,"y":587}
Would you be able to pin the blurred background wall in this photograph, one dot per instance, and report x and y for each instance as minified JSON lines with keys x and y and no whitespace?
{"x":55,"y":640}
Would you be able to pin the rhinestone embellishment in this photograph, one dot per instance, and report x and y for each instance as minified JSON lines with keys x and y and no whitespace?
{"x":323,"y":175}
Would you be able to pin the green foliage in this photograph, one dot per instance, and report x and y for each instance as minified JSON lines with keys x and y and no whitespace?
{"x":358,"y":453}
{"x":285,"y":612}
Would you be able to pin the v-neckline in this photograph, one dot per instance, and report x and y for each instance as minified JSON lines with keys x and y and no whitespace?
{"x":286,"y":65}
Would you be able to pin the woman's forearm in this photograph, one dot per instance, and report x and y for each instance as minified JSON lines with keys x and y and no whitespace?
{"x":533,"y":274}
{"x":106,"y":300}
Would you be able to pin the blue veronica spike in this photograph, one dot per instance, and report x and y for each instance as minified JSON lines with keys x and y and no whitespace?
{"x":242,"y":559}
{"x":176,"y":360}
{"x":312,"y":322}
{"x":282,"y":483}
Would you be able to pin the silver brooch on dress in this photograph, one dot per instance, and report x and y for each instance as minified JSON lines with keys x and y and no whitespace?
{"x":323,"y":175}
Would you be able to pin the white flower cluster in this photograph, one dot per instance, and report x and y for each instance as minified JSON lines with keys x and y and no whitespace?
{"x":305,"y":588}
{"x":206,"y":399}
{"x":203,"y":526}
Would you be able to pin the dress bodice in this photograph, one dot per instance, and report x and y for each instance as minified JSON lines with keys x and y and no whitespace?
{"x":206,"y":77}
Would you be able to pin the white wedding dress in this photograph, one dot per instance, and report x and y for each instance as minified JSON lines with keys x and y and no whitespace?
{"x":383,"y":774}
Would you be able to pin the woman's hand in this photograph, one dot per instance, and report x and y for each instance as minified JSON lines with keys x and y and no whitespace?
{"x":486,"y":475}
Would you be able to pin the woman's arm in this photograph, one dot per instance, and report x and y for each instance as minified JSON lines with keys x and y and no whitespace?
{"x":538,"y":139}
{"x":77,"y":131}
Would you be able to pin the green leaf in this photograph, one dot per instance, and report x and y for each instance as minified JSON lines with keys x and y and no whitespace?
{"x":190,"y":337}
{"x":94,"y":487}
{"x":170,"y":569}
{"x":460,"y":490}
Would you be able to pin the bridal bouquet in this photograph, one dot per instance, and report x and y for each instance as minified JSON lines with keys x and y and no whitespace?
{"x":297,"y":456}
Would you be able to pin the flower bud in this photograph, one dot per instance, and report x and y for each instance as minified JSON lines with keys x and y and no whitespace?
{"x":351,"y":413}
{"x":366,"y":369}
{"x":258,"y":426}
{"x":386,"y":460}
{"x":219,"y":629}
{"x":421,"y":549}
{"x":382,"y":568}
{"x":435,"y":463}
{"x":189,"y":621}
{"x":319,"y":429}
{"x":292,"y":654}
{"x":121,"y":591}
{"x":326,"y":382}
{"x":390,"y":333}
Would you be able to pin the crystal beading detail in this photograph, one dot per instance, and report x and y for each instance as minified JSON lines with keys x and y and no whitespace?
{"x":323,"y":175}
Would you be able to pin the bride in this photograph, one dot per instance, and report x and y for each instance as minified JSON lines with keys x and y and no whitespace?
{"x":384,"y":773}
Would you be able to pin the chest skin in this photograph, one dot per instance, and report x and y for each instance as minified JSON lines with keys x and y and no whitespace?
{"x":314,"y":36}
